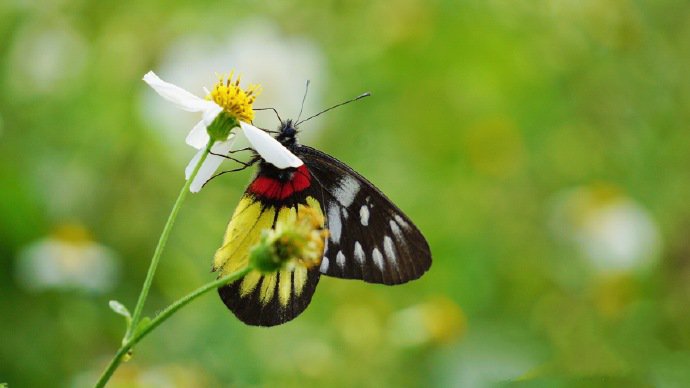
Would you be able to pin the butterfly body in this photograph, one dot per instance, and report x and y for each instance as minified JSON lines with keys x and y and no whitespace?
{"x":369,"y":237}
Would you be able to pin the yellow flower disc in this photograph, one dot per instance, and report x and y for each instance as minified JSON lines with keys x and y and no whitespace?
{"x":235,"y":101}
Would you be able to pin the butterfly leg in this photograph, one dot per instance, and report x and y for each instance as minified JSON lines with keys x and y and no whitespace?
{"x":245,"y":164}
{"x":240,"y":150}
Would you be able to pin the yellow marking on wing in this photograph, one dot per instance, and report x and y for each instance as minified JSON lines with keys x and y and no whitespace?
{"x":300,"y":279}
{"x":284,"y":287}
{"x":287,"y":215}
{"x":245,"y":203}
{"x":242,"y":233}
{"x":268,"y":288}
{"x":249,"y":283}
{"x":313,"y":203}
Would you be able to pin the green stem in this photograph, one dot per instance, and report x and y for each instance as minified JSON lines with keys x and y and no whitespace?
{"x":160,"y":318}
{"x":161,"y":245}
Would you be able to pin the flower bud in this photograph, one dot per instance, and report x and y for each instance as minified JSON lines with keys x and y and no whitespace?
{"x":295,"y":241}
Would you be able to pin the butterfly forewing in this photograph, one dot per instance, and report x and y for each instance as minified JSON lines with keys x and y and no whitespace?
{"x":370,"y":238}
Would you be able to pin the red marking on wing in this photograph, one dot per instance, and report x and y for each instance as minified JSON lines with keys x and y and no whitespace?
{"x":274,"y":189}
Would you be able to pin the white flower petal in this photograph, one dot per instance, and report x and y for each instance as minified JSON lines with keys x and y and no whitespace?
{"x":210,"y":165}
{"x":269,"y":148}
{"x":178,"y":96}
{"x":192,"y":163}
{"x":198,"y":137}
{"x":210,"y":114}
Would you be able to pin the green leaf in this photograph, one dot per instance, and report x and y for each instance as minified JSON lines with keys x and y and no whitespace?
{"x":119,"y":308}
{"x":143,"y":324}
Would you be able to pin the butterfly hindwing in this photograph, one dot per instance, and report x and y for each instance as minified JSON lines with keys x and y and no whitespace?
{"x":265,"y":299}
{"x":273,"y":299}
{"x":370,"y":238}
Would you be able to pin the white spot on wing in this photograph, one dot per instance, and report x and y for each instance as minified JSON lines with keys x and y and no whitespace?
{"x":346,"y":190}
{"x":359,"y":253}
{"x":324,"y":265}
{"x":340,"y":259}
{"x":378,"y":258}
{"x":401,"y":221}
{"x":334,"y":225}
{"x":390,"y":250}
{"x":396,"y":231}
{"x":344,"y":211}
{"x":364,"y":215}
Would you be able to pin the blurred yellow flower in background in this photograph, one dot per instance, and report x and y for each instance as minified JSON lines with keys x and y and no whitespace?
{"x":436,"y":321}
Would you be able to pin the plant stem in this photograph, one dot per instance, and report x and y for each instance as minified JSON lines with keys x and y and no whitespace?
{"x":136,"y":316}
{"x":160,"y":318}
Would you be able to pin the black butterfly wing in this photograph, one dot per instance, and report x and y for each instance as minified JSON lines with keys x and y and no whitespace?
{"x":370,"y":238}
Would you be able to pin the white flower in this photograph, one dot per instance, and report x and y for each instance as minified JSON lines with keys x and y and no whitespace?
{"x":238,"y":107}
{"x":45,"y":59}
{"x":615,"y":233}
{"x":69,"y":259}
{"x":252,"y":47}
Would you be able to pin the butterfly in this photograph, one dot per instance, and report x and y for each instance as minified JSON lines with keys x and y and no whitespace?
{"x":369,"y":237}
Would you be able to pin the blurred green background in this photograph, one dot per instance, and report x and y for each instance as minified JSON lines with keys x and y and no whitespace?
{"x":541,"y":146}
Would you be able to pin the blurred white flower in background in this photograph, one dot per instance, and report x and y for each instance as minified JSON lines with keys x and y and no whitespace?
{"x":68,"y":259}
{"x":491,"y":355}
{"x":612,"y":231}
{"x":45,"y":58}
{"x":258,"y":51}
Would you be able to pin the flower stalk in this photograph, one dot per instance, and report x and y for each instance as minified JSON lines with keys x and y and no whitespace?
{"x":160,"y":318}
{"x":136,"y":316}
{"x":136,"y":328}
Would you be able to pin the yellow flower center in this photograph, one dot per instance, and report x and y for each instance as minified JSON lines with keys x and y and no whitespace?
{"x":235,"y":101}
{"x":73,"y":234}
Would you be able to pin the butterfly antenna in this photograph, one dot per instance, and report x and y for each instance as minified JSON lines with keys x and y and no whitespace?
{"x":274,"y":111}
{"x":304,"y":98}
{"x":367,"y":94}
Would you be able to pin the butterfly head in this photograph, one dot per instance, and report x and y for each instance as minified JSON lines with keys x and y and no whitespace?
{"x":287,"y":134}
